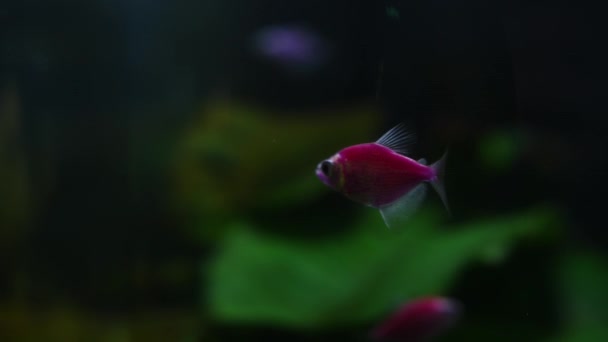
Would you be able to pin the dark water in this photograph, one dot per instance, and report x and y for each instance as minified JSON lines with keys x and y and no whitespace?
{"x":157,"y":168}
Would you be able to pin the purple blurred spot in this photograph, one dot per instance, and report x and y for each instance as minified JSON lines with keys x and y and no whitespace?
{"x":418,"y":320}
{"x":290,"y":46}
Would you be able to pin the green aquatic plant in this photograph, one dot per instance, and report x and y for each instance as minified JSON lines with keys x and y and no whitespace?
{"x":239,"y":158}
{"x":258,"y":278}
{"x":500,"y":149}
{"x":582,"y":280}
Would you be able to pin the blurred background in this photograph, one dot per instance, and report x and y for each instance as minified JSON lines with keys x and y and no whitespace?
{"x":157,"y":168}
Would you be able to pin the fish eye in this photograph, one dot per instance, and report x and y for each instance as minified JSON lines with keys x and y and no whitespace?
{"x":326,"y":167}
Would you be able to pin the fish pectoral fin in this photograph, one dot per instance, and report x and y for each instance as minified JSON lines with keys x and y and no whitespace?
{"x":397,"y":213}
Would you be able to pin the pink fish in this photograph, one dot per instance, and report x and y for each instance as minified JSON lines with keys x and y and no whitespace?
{"x":418,"y":320}
{"x":380,"y":175}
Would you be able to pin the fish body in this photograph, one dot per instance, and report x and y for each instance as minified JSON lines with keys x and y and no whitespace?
{"x":374,"y":175}
{"x":380,"y":175}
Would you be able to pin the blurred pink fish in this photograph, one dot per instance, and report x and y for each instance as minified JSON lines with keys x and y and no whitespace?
{"x":294,"y":47}
{"x":380,"y":175}
{"x":418,"y":320}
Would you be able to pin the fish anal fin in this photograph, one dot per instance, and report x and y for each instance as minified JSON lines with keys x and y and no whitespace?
{"x":397,"y":213}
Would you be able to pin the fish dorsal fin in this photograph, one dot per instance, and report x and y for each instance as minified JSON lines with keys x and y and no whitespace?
{"x":396,"y":213}
{"x":398,"y":139}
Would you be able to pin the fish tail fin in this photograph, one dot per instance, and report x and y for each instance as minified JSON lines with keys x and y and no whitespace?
{"x":437,"y":182}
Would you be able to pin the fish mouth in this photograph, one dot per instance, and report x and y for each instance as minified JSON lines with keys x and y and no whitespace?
{"x":322,"y":176}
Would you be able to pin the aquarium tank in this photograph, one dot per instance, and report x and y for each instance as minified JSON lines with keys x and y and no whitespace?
{"x":214,"y":171}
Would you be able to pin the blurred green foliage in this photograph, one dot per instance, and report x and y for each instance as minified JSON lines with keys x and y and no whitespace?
{"x":240,"y":157}
{"x":13,"y":171}
{"x":583,"y":285}
{"x":354,"y":278}
{"x":499,"y":149}
{"x":66,"y":323}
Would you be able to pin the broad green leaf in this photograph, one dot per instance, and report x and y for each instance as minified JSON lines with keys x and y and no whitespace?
{"x":263,"y":279}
